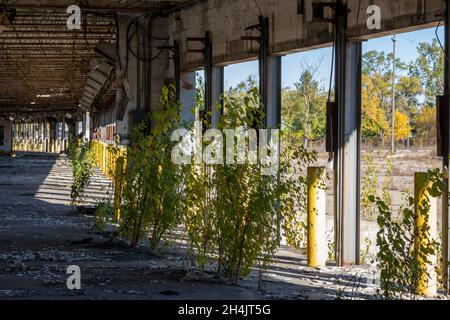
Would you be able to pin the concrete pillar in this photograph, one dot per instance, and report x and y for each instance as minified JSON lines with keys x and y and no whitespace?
{"x":5,"y":137}
{"x":83,"y":125}
{"x":87,"y":125}
{"x":187,"y":96}
{"x":47,"y":136}
{"x":42,"y":132}
{"x":57,"y":137}
{"x":79,"y":127}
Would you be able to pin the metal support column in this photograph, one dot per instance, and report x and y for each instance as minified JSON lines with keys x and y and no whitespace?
{"x":347,"y":154}
{"x":177,"y":64}
{"x":175,"y":57}
{"x":445,"y":155}
{"x":264,"y":64}
{"x":187,"y":96}
{"x":273,"y":92}
{"x":269,"y":75}
{"x":87,"y":125}
{"x":144,"y":61}
{"x":213,"y":79}
{"x":217,"y":84}
{"x":207,"y":53}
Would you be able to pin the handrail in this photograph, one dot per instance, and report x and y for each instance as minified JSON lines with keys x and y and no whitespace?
{"x":111,"y":160}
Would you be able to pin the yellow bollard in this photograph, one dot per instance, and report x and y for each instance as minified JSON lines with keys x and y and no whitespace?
{"x":425,"y":219}
{"x":317,"y":244}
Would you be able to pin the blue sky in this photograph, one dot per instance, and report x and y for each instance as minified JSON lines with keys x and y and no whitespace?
{"x":406,"y":50}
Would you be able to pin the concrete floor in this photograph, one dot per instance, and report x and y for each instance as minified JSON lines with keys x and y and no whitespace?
{"x":41,"y":235}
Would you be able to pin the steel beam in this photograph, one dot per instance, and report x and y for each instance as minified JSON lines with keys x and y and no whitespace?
{"x":347,"y":154}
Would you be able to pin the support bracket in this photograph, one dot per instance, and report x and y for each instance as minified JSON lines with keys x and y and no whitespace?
{"x":175,"y":50}
{"x":205,"y":115}
{"x":263,"y":39}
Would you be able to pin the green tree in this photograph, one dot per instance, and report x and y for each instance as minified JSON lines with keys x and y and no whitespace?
{"x":304,"y":108}
{"x":377,"y":96}
{"x":402,"y":127}
{"x":374,"y":121}
{"x":429,"y":68}
{"x":425,"y":124}
{"x":408,"y":90}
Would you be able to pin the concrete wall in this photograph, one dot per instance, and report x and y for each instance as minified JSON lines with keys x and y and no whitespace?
{"x":6,"y":147}
{"x":122,"y":126}
{"x":162,"y":73}
{"x":159,"y":70}
{"x":290,"y":31}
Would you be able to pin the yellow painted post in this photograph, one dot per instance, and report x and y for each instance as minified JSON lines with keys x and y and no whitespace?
{"x":103,"y":158}
{"x":425,"y":210}
{"x":118,"y":186}
{"x":99,"y":155}
{"x":94,"y":151}
{"x":19,"y":128}
{"x":30,"y":137}
{"x":108,"y":162}
{"x":111,"y":165}
{"x":316,"y":206}
{"x":26,"y":136}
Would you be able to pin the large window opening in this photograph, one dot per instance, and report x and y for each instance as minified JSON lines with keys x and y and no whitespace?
{"x":306,"y":87}
{"x":398,"y":129}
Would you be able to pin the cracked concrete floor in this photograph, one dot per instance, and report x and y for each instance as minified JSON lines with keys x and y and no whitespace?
{"x":40,"y":237}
